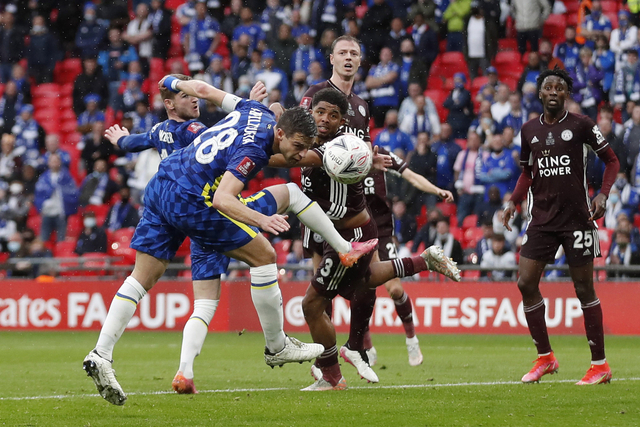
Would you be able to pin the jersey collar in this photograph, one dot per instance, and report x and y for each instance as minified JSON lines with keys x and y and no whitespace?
{"x":566,"y":114}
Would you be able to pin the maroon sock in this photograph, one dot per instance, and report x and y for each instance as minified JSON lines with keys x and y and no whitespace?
{"x":593,"y":326}
{"x":361,"y":309}
{"x":328,"y":362}
{"x":538,"y":327}
{"x":406,"y":267}
{"x":405,"y":313}
{"x":367,"y":340}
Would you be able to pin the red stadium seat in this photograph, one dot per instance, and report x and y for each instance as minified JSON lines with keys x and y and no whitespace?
{"x":66,"y":90}
{"x":66,"y":102}
{"x":478,"y":83}
{"x":435,"y":82}
{"x":47,"y":90}
{"x":636,"y":220}
{"x":374,"y":132}
{"x":470,"y":221}
{"x":472,"y":236}
{"x":33,"y":223}
{"x":282,"y":250}
{"x":457,"y":233}
{"x":119,"y":246}
{"x":507,"y":57}
{"x":554,"y":27}
{"x":184,"y":249}
{"x":507,"y":44}
{"x":448,"y":209}
{"x":65,"y":248}
{"x":74,"y":226}
{"x":610,"y":7}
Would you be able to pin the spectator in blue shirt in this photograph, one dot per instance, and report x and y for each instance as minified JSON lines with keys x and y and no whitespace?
{"x":251,"y":28}
{"x":604,"y":60}
{"x":447,"y":151}
{"x":569,"y":50}
{"x":497,"y":167}
{"x":383,"y":84}
{"x":91,"y":114}
{"x":271,"y":76}
{"x":91,"y":33}
{"x":460,"y":107}
{"x":392,"y":139}
{"x":29,"y":135}
{"x":52,"y":145}
{"x":586,"y":84}
{"x":305,"y":54}
{"x":595,"y":24}
{"x":202,"y":37}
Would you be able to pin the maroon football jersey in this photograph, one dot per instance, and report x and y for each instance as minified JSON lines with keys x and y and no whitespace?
{"x":375,"y":190}
{"x":558,"y":198}
{"x":357,"y":118}
{"x":336,"y":199}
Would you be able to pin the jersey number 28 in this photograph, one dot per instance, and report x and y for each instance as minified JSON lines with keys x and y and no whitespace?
{"x":216,"y":138}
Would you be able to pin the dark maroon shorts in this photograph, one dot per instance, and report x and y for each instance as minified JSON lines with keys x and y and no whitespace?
{"x":387,"y":249}
{"x":580,"y":246}
{"x":331,"y":277}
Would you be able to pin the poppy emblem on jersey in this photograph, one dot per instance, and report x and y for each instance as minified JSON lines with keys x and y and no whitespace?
{"x":246,"y":166}
{"x":362,"y":110}
{"x":195,"y":127}
{"x":566,"y":135}
{"x":524,"y":239}
{"x":550,"y":140}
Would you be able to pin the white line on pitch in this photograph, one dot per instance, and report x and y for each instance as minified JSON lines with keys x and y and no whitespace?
{"x":254,"y":390}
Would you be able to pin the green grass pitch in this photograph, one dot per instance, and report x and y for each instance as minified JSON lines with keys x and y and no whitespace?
{"x":465,"y":380}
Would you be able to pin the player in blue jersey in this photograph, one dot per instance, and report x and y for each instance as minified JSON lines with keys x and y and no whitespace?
{"x":195,"y":194}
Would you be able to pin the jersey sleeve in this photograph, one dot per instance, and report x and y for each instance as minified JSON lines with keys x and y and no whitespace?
{"x":135,"y":143}
{"x":307,"y":98}
{"x":525,"y":148}
{"x":247,"y":161}
{"x":594,"y":137}
{"x":398,"y":164}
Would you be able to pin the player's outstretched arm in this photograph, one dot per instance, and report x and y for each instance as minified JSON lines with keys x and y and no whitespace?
{"x":225,"y":199}
{"x":423,"y":184}
{"x":196,"y":88}
{"x":119,"y":136}
{"x":114,"y":133}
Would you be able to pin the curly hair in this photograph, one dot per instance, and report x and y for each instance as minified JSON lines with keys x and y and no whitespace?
{"x":333,"y":97}
{"x":558,"y":72}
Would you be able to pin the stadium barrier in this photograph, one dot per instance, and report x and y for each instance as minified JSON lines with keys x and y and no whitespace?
{"x":439,"y":307}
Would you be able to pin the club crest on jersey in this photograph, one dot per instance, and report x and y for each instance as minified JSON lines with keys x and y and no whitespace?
{"x":362,"y":110}
{"x":550,"y":140}
{"x":246,"y":166}
{"x":195,"y":127}
{"x":535,"y":139}
{"x":566,"y":135}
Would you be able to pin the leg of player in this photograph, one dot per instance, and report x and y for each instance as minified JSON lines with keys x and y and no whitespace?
{"x":599,"y":372}
{"x":534,"y":311}
{"x":267,"y":299}
{"x":353,"y":352}
{"x":291,"y":199}
{"x":322,"y":330}
{"x":206,"y":294}
{"x":405,"y":313}
{"x":98,"y":362}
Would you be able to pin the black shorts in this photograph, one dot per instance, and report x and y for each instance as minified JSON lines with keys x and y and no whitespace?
{"x":387,"y":249}
{"x":312,"y":243}
{"x":331,"y":277}
{"x":580,"y":246}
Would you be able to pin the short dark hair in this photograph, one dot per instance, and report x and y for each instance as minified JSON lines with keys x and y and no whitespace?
{"x":298,"y":120}
{"x":558,"y":72}
{"x":166,"y":93}
{"x":332,"y":97}
{"x":345,"y":37}
{"x":498,"y":237}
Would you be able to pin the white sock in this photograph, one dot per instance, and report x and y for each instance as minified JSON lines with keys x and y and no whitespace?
{"x":312,"y":215}
{"x":412,"y":340}
{"x":267,"y":299}
{"x":121,"y":311}
{"x":599,"y":362}
{"x":195,"y":332}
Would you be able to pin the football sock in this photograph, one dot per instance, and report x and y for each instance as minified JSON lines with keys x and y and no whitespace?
{"x":361,"y":309}
{"x":328,"y":362}
{"x":405,"y":313}
{"x":195,"y":332}
{"x":267,"y":299}
{"x":593,"y":326}
{"x":406,"y":267}
{"x":312,"y":215}
{"x":538,"y":327}
{"x":366,"y":341}
{"x":122,"y":308}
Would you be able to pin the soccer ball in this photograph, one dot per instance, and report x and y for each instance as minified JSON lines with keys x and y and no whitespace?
{"x":347,"y":159}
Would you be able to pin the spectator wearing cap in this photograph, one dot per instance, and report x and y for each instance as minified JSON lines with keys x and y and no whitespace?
{"x":594,"y":24}
{"x":91,"y":114}
{"x":305,"y":54}
{"x":455,"y":17}
{"x":272,"y":77}
{"x":139,"y":34}
{"x":89,"y":81}
{"x":251,"y":28}
{"x":160,"y":20}
{"x":43,"y":51}
{"x":202,"y":37}
{"x":460,"y":107}
{"x":29,"y":135}
{"x":90,"y":37}
{"x":93,"y":238}
{"x":52,"y":146}
{"x":384,"y":86}
{"x":56,"y":198}
{"x":476,"y":41}
{"x":11,"y":45}
{"x":569,"y":50}
{"x":132,"y":93}
{"x":114,"y":61}
{"x":216,"y":75}
{"x":622,"y":38}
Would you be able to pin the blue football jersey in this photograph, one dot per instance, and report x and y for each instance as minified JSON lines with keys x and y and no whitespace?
{"x":166,"y":137}
{"x":241,"y":143}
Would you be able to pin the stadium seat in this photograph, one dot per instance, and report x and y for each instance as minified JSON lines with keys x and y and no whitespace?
{"x":636,"y":220}
{"x":374,"y":132}
{"x":66,"y":90}
{"x":472,"y":236}
{"x":601,"y":275}
{"x":119,"y":246}
{"x":66,"y":102}
{"x":470,"y":221}
{"x":46,"y":90}
{"x":33,"y":223}
{"x":457,"y":233}
{"x":45,"y":103}
{"x":507,"y":44}
{"x":572,"y":7}
{"x":461,"y":142}
{"x":507,"y":57}
{"x":64,"y":248}
{"x":471,"y":274}
{"x":74,"y":226}
{"x":435,"y":82}
{"x":45,"y":115}
{"x":448,"y":209}
{"x":605,"y":236}
{"x":282,"y":250}
{"x":68,"y":126}
{"x":478,"y":83}
{"x":184,"y":249}
{"x":610,"y":6}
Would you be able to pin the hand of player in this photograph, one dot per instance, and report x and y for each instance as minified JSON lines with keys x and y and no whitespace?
{"x":258,"y":92}
{"x":114,"y":133}
{"x":445,"y":195}
{"x":277,"y":109}
{"x":274,"y":224}
{"x":508,"y":213}
{"x":380,"y":161}
{"x":598,"y":207}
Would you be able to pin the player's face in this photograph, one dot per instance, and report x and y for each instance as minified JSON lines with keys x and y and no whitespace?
{"x":328,"y":119}
{"x":186,"y":107}
{"x":553,"y":93}
{"x":345,"y":58}
{"x":294,"y":147}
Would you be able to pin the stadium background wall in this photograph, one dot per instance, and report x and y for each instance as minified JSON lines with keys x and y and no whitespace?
{"x":493,"y":308}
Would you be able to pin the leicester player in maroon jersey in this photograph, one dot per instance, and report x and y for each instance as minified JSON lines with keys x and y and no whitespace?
{"x":553,"y":157}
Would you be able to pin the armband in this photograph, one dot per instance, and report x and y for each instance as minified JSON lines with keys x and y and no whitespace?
{"x":229,"y":102}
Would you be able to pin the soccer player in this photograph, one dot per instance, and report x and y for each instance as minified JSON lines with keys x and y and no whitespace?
{"x":346,"y":205}
{"x":553,"y":157}
{"x":195,"y":194}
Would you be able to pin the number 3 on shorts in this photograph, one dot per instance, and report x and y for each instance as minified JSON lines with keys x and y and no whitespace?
{"x":583,"y":239}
